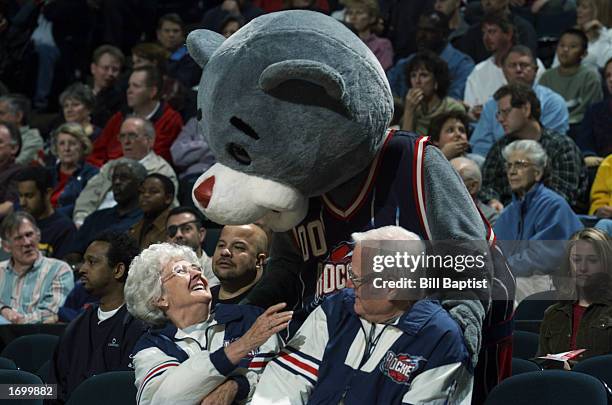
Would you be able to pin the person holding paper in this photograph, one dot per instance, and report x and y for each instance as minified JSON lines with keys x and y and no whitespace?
{"x":582,"y":319}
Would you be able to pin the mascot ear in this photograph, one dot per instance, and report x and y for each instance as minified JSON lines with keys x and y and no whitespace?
{"x":201,"y":44}
{"x":313,"y":72}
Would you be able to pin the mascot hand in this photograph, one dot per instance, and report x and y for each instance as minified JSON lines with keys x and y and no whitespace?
{"x":469,"y":314}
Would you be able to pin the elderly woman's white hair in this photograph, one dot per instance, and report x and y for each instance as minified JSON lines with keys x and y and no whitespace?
{"x":532,"y":149}
{"x":143,"y":286}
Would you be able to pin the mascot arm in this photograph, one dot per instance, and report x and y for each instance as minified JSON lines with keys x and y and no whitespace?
{"x":452,"y":215}
{"x":280,"y":281}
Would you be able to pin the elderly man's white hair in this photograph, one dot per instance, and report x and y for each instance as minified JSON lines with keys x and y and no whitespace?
{"x":534,"y":152}
{"x":467,"y":169}
{"x":389,"y":232}
{"x":143,"y":285}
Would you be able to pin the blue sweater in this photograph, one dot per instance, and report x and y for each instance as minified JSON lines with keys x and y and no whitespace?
{"x":542,"y":215}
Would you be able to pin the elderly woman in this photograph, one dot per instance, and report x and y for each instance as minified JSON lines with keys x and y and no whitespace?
{"x":77,"y":103}
{"x":449,"y":132}
{"x":194,"y":354}
{"x":536,"y":214}
{"x":583,"y":317}
{"x":428,"y":82}
{"x":70,"y":144}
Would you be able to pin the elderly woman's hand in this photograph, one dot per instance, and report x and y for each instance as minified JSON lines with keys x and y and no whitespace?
{"x":267,"y":324}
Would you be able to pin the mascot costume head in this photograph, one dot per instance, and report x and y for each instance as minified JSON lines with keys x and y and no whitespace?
{"x":293,"y":105}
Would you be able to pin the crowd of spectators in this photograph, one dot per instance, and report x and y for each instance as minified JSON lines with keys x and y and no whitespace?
{"x":98,"y":132}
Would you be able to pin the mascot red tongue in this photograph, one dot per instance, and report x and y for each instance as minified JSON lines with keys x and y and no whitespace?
{"x":296,"y":109}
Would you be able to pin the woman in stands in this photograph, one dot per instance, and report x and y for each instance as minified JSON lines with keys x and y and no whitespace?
{"x":583,"y":317}
{"x":449,"y":132}
{"x":70,"y":173}
{"x":77,"y":103}
{"x":428,"y":82}
{"x":194,"y":353}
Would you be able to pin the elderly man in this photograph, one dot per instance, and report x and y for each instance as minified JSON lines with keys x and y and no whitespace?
{"x":16,"y":110}
{"x":372,"y":347}
{"x":471,"y":176}
{"x":184,"y":226}
{"x":238,"y":262}
{"x":144,"y":101}
{"x":10,"y":144}
{"x":519,"y":115}
{"x":136,"y":137}
{"x":519,"y":66}
{"x":32,"y":287}
{"x":193,"y":354}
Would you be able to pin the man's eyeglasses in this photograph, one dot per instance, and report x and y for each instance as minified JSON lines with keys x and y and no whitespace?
{"x":357,"y":281}
{"x":519,"y":165}
{"x":182,"y":271}
{"x":184,"y":227}
{"x":523,"y":66}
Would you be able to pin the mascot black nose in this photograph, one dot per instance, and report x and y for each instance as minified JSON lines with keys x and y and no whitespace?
{"x":203,"y":193}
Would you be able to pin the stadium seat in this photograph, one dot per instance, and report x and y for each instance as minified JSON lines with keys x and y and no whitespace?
{"x":31,"y":351}
{"x":43,"y":371}
{"x":534,"y":306}
{"x":7,"y":364}
{"x":598,"y":366}
{"x":524,"y":344}
{"x":95,"y":390}
{"x":520,"y":366}
{"x":549,"y":387}
{"x":20,"y":377}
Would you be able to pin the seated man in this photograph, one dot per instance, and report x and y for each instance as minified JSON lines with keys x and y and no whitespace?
{"x":10,"y":144}
{"x":32,"y":287}
{"x":56,"y":230}
{"x":238,"y":262}
{"x":136,"y":138}
{"x":155,"y":196}
{"x":471,"y":176}
{"x":171,"y":35}
{"x":105,"y":67}
{"x":16,"y":110}
{"x":102,"y":338}
{"x":361,"y":347}
{"x":184,"y":226}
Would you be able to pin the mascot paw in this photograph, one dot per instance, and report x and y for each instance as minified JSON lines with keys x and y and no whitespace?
{"x":469,"y":314}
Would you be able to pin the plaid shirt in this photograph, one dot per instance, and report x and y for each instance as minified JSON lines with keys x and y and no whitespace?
{"x":565,"y":174}
{"x":38,"y":293}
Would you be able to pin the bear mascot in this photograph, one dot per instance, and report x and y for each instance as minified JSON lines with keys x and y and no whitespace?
{"x":296,"y":109}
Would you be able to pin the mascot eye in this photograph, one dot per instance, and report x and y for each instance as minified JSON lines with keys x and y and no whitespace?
{"x":239,"y":153}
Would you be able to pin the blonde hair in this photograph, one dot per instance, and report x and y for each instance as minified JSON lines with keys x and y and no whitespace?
{"x":76,"y":131}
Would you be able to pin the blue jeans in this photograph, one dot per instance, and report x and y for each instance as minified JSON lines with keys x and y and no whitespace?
{"x":47,"y":59}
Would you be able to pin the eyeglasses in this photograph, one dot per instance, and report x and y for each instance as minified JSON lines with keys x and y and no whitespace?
{"x":182,"y":271}
{"x":518,"y":165}
{"x":357,"y":281}
{"x":503,"y":113}
{"x":173,"y":229}
{"x":523,"y":66}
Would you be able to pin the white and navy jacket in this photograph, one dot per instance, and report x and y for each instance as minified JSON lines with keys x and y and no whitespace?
{"x":176,"y":366}
{"x":339,"y":358}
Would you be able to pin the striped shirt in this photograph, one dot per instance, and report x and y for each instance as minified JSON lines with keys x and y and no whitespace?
{"x":38,"y":293}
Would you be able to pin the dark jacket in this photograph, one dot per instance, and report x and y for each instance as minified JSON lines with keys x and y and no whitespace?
{"x":77,"y":357}
{"x":594,"y":333}
{"x":74,"y":186}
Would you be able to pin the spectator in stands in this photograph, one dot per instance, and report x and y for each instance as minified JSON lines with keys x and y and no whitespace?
{"x":56,"y":229}
{"x":449,"y":132}
{"x":180,"y":65}
{"x":472,"y":42}
{"x":185,"y":227}
{"x":105,"y":67}
{"x":156,"y":194}
{"x":70,"y":174}
{"x":594,"y":18}
{"x":78,"y":103}
{"x":456,"y":23}
{"x":432,"y":35}
{"x":471,"y":176}
{"x":143,"y":99}
{"x":519,"y":68}
{"x":428,"y":84}
{"x":229,"y":25}
{"x":400,"y":20}
{"x":238,"y":262}
{"x":519,"y":114}
{"x":594,"y":135}
{"x":579,"y":85}
{"x":126,"y":177}
{"x":202,"y":355}
{"x":241,"y":9}
{"x":16,"y":110}
{"x":350,"y":347}
{"x":601,"y":191}
{"x":536,"y":213}
{"x":10,"y":144}
{"x":32,"y":287}
{"x":362,"y":16}
{"x":136,"y":137}
{"x":581,"y":318}
{"x":103,"y":337}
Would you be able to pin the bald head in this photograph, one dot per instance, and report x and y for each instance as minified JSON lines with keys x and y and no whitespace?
{"x":469,"y":172}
